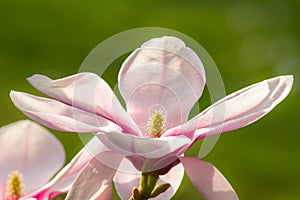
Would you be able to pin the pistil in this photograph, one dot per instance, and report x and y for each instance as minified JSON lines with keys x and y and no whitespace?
{"x":156,"y":124}
{"x":15,"y":186}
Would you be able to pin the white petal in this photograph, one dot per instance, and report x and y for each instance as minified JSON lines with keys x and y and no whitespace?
{"x":60,"y":116}
{"x":62,"y":181}
{"x":162,"y":74}
{"x":94,"y":181}
{"x":126,"y":179}
{"x":208,"y":180}
{"x":237,"y":109}
{"x":126,"y":144}
{"x":32,"y":150}
{"x":88,"y":92}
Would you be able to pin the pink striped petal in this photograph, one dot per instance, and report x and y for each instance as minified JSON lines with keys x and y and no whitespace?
{"x":94,"y":181}
{"x":25,"y":147}
{"x":208,"y":180}
{"x":88,"y":92}
{"x":237,"y":109}
{"x":162,"y":74}
{"x":126,"y":180}
{"x":60,"y":116}
{"x":62,"y":181}
{"x":127,"y":145}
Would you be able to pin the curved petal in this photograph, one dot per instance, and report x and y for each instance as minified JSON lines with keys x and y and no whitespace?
{"x":126,"y":144}
{"x":237,"y":109}
{"x":126,"y":180}
{"x":25,"y":147}
{"x":208,"y":180}
{"x":60,"y":116}
{"x":94,"y":181}
{"x":88,"y":92}
{"x":162,"y":74}
{"x":62,"y":181}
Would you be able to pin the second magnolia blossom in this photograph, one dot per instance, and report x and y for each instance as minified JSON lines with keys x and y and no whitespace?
{"x":160,"y":81}
{"x":30,"y":156}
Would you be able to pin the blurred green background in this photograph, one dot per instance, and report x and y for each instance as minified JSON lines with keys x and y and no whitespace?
{"x":249,"y":41}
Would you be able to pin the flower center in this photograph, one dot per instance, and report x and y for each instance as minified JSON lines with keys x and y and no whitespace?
{"x":14,"y":186}
{"x":156,"y":124}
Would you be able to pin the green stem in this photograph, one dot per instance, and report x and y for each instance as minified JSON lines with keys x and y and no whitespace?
{"x":147,"y":186}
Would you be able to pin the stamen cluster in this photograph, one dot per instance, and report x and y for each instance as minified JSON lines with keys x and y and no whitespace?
{"x":15,"y":186}
{"x":156,"y":124}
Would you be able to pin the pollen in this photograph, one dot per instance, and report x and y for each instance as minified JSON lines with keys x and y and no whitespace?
{"x":156,"y":124}
{"x":15,"y":186}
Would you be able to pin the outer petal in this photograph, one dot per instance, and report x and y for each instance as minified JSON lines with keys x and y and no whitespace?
{"x":94,"y":182}
{"x":62,"y":181}
{"x":162,"y":74}
{"x":60,"y":116}
{"x":126,"y":180}
{"x":25,"y":147}
{"x":88,"y":92}
{"x":237,"y":109}
{"x":208,"y":180}
{"x":126,"y":144}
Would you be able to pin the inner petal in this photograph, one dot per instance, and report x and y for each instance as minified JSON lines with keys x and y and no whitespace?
{"x":146,"y":98}
{"x":162,"y":72}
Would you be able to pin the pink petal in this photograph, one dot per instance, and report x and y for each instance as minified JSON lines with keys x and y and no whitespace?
{"x":88,"y":92}
{"x":25,"y":147}
{"x":162,"y":74}
{"x":60,"y":116}
{"x":237,"y":109}
{"x":126,"y":144}
{"x":62,"y":181}
{"x":208,"y":180}
{"x":126,"y":180}
{"x":94,"y":181}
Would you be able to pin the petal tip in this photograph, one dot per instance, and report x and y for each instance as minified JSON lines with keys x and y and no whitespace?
{"x":14,"y":96}
{"x":289,"y":79}
{"x":37,"y":79}
{"x":167,"y":42}
{"x":12,"y":93}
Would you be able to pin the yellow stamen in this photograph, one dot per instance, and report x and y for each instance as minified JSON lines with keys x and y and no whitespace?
{"x":15,"y":186}
{"x":156,"y":124}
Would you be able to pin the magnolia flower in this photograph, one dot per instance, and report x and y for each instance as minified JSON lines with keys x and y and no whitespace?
{"x":160,"y":82}
{"x":30,"y":156}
